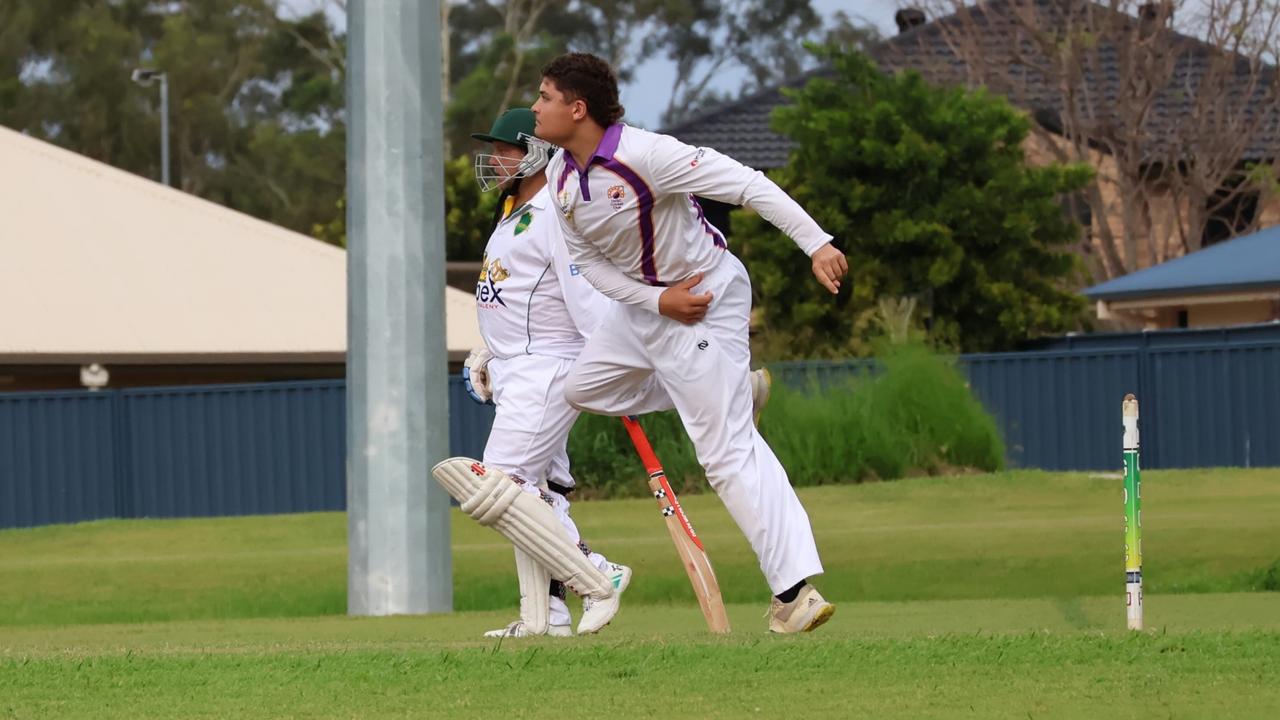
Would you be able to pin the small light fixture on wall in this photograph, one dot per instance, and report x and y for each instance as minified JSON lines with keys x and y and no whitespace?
{"x":94,"y":376}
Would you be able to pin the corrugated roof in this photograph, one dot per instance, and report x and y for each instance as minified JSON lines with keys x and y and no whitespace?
{"x":741,"y":129}
{"x":1245,"y":263}
{"x":99,"y":263}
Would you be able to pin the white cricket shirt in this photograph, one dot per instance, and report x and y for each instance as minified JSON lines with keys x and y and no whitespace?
{"x":530,"y":297}
{"x":632,"y":224}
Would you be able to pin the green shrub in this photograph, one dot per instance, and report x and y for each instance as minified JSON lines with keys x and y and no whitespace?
{"x":606,"y":465}
{"x":914,"y":414}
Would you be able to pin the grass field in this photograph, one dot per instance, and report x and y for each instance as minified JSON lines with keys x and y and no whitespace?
{"x":980,"y":596}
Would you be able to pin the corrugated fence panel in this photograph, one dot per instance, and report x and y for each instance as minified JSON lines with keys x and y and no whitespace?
{"x":803,"y":374}
{"x":1213,"y":406}
{"x":469,"y":421}
{"x":1057,"y":411}
{"x":57,"y":461}
{"x":237,"y":450}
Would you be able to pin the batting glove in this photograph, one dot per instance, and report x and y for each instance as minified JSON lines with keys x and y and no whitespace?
{"x":475,"y":375}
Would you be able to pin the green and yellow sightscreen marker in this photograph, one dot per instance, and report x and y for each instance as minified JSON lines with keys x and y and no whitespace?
{"x":1132,"y":514}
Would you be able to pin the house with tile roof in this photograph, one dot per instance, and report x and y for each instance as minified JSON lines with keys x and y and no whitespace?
{"x":741,"y":128}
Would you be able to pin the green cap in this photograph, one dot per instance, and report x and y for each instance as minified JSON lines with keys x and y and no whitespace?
{"x":508,"y":127}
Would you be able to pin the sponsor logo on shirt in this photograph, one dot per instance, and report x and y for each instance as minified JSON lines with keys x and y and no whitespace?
{"x":698,"y":158}
{"x":573,"y":269}
{"x":617,"y":195}
{"x":488,"y":294}
{"x":497,"y":273}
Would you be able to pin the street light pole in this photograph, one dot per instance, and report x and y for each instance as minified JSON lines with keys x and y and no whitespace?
{"x":164,"y":128}
{"x":144,"y":77}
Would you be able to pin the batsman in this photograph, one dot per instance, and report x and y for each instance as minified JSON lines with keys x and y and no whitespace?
{"x":535,"y":314}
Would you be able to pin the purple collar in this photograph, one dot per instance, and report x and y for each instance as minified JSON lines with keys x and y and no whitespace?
{"x":604,"y":151}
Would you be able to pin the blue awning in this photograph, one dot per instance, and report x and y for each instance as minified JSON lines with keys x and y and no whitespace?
{"x":1245,"y":263}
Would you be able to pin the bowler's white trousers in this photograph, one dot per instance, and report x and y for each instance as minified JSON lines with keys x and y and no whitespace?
{"x":638,"y":361}
{"x":530,"y":436}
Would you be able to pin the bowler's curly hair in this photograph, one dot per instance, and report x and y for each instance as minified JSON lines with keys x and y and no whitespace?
{"x":583,"y":76}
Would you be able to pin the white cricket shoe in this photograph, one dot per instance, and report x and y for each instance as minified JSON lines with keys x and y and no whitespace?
{"x":598,"y":613}
{"x":518,"y":629}
{"x":619,"y":575}
{"x":803,"y":614}
{"x":761,"y":382}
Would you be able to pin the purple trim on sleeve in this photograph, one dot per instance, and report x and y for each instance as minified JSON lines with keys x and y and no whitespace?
{"x":644,"y":200}
{"x":716,"y":236}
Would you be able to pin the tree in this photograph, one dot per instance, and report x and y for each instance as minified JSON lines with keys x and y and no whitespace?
{"x":468,"y":211}
{"x":255,"y":100}
{"x":499,"y":46}
{"x":711,"y":38}
{"x":928,"y":192}
{"x":1175,"y":103}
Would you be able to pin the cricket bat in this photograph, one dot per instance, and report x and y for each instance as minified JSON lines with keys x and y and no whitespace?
{"x":694,"y":557}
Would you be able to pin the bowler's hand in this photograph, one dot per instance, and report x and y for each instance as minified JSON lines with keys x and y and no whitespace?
{"x":679,"y":303}
{"x":829,"y":266}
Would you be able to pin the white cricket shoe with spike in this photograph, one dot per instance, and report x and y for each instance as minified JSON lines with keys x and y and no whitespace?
{"x":598,"y":613}
{"x":806,"y":612}
{"x":761,"y":382}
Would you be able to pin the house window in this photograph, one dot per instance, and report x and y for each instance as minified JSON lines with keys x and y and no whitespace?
{"x":1233,"y":217}
{"x":1182,"y":318}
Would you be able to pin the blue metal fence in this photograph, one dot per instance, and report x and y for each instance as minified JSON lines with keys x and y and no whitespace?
{"x":1209,"y":398}
{"x":234,"y":450}
{"x":1056,"y":410}
{"x":57,"y":458}
{"x":187,"y":451}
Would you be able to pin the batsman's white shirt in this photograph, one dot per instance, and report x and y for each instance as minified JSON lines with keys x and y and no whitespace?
{"x":633,"y":227}
{"x":530,"y":298}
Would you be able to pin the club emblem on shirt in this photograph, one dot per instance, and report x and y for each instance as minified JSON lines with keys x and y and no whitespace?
{"x":523,"y":223}
{"x":617,"y":194}
{"x":563,"y":198}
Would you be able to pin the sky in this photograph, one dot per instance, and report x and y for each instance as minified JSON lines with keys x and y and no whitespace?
{"x":647,"y":95}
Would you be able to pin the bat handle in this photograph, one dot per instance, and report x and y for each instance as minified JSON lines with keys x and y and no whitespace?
{"x":641,"y":442}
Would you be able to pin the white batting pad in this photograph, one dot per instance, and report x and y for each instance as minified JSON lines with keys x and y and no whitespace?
{"x":535,"y":603}
{"x":495,"y":500}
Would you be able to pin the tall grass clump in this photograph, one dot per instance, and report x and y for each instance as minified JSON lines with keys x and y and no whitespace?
{"x":606,"y":465}
{"x":911,"y":414}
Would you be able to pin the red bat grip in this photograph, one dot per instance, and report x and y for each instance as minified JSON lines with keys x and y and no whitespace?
{"x":643,"y":448}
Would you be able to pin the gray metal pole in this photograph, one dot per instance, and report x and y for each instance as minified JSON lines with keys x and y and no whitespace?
{"x":397,"y":373}
{"x":164,"y":128}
